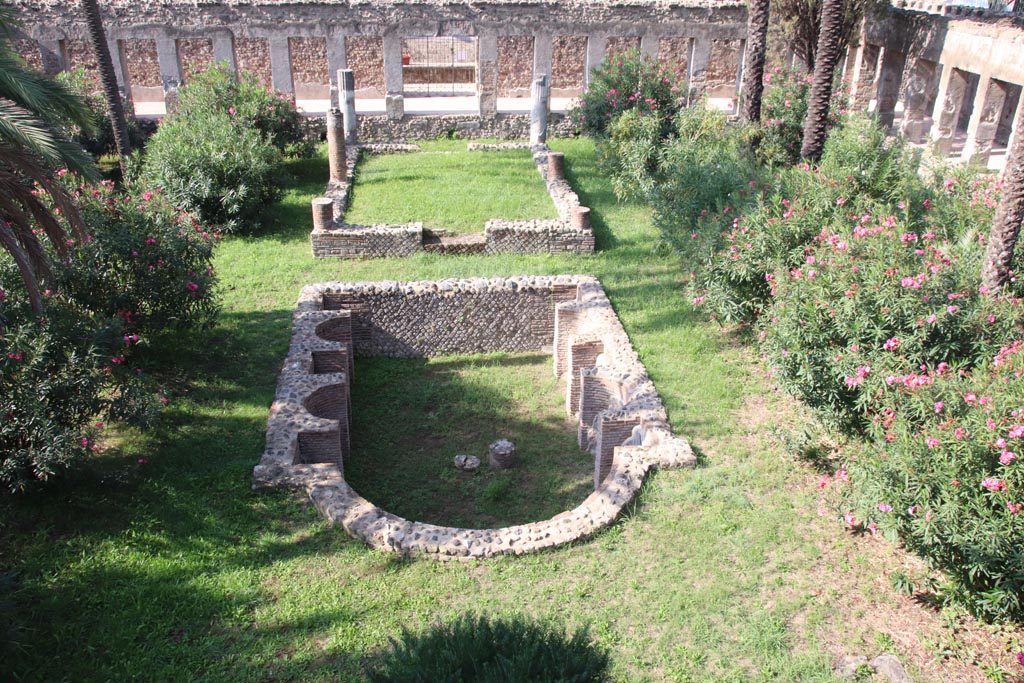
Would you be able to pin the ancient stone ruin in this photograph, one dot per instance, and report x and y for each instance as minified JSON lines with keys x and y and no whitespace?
{"x":621,"y":420}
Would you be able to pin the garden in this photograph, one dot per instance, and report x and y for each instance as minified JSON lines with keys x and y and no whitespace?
{"x":819,"y":332}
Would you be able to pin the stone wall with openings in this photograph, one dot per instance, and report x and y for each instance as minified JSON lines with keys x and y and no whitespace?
{"x":616,"y":45}
{"x":621,"y":419}
{"x":568,"y":64}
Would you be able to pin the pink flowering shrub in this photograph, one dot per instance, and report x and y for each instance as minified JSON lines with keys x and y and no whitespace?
{"x":783,"y":110}
{"x":623,"y":83}
{"x":941,"y":471}
{"x":61,"y":375}
{"x":144,"y":261}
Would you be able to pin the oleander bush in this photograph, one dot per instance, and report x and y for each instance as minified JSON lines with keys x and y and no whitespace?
{"x":628,"y":82}
{"x":214,"y":166}
{"x":481,"y":650}
{"x":61,"y":375}
{"x":251,"y":105}
{"x":783,"y":111}
{"x":144,"y":261}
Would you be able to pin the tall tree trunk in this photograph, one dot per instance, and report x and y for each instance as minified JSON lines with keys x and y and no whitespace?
{"x":995,"y":271}
{"x":830,"y":41}
{"x":115,"y":108}
{"x":753,"y":75}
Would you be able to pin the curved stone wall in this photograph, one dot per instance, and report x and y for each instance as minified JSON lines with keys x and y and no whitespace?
{"x":622,"y":420}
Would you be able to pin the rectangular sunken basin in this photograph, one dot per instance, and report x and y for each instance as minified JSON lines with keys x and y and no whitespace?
{"x":620,"y":417}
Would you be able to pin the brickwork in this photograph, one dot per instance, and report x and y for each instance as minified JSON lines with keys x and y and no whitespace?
{"x":253,"y":55}
{"x":78,"y":53}
{"x":675,"y":54}
{"x":515,"y":65}
{"x":616,"y":45}
{"x":143,"y":64}
{"x":196,"y":56}
{"x":309,"y":67}
{"x":365,"y":56}
{"x":29,"y":51}
{"x":308,"y":425}
{"x":568,"y":62}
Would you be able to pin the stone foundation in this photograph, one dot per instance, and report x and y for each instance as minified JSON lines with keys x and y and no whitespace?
{"x":607,"y":387}
{"x":569,"y":233}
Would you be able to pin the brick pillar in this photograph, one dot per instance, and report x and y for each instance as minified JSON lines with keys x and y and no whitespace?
{"x":170,"y":69}
{"x":542,"y":51}
{"x":596,"y":44}
{"x":394,"y":100}
{"x":487,"y":75}
{"x":347,"y":95}
{"x":281,"y":64}
{"x":981,"y":131}
{"x":948,"y":104}
{"x":539,"y":111}
{"x":889,"y":78}
{"x":224,"y":49}
{"x":323,"y":213}
{"x":610,"y":433}
{"x":336,"y":146}
{"x":863,"y":84}
{"x":917,"y":83}
{"x":582,"y":354}
{"x":556,"y":166}
{"x":580,"y":218}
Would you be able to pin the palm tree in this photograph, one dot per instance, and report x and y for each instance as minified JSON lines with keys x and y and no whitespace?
{"x":115,"y":107}
{"x":32,"y":150}
{"x":753,"y":76}
{"x":1006,"y":226}
{"x":830,"y":41}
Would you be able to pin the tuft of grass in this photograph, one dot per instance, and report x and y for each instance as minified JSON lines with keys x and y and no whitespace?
{"x":445,"y":186}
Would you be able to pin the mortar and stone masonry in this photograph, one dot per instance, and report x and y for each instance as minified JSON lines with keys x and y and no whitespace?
{"x":621,"y":419}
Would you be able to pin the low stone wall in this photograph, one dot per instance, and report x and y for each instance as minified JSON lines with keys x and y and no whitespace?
{"x":621,"y":418}
{"x":566,"y":234}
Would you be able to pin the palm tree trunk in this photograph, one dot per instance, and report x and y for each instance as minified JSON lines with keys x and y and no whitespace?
{"x":753,"y":75}
{"x":830,"y":41}
{"x":995,"y":271}
{"x":115,"y":109}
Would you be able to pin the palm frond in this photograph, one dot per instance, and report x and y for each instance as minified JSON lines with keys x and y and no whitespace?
{"x":40,"y":93}
{"x":19,"y":127}
{"x":10,"y":243}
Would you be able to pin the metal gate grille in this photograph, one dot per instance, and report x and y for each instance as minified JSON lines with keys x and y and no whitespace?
{"x":437,"y":67}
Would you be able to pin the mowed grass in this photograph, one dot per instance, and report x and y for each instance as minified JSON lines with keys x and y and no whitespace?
{"x":415,"y":416}
{"x":446,"y":187}
{"x":174,"y":569}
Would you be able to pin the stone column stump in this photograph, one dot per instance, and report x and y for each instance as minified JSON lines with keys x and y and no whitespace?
{"x":502,"y":454}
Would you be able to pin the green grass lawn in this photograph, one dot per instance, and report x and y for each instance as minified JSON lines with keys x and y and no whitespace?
{"x":159,"y":563}
{"x":443,"y":186}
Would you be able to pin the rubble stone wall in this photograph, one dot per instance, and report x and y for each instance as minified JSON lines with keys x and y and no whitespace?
{"x":307,"y":438}
{"x":253,"y":54}
{"x":515,"y":65}
{"x":196,"y":55}
{"x":365,"y":56}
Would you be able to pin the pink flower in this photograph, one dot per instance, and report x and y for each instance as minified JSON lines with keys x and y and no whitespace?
{"x":231,"y":110}
{"x":891,"y":344}
{"x":939,"y":406}
{"x":993,"y":484}
{"x":873,"y":528}
{"x":883,"y":507}
{"x":191,"y":286}
{"x":952,"y":309}
{"x":150,"y":241}
{"x":932,"y":442}
{"x":970,"y":398}
{"x":1007,"y":457}
{"x":959,"y":432}
{"x":863,"y":371}
{"x":147,"y":195}
{"x":840,"y":201}
{"x":142,"y":461}
{"x":852,"y":381}
{"x":912,"y":510}
{"x":850,"y":519}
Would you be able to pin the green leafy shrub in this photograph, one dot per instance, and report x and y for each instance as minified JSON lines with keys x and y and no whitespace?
{"x":706,"y":178}
{"x":251,"y":105}
{"x":479,"y":650}
{"x":143,"y":261}
{"x":213,"y":166}
{"x":943,"y":474}
{"x":59,"y":374}
{"x":628,"y":82}
{"x":87,"y":86}
{"x":783,"y":112}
